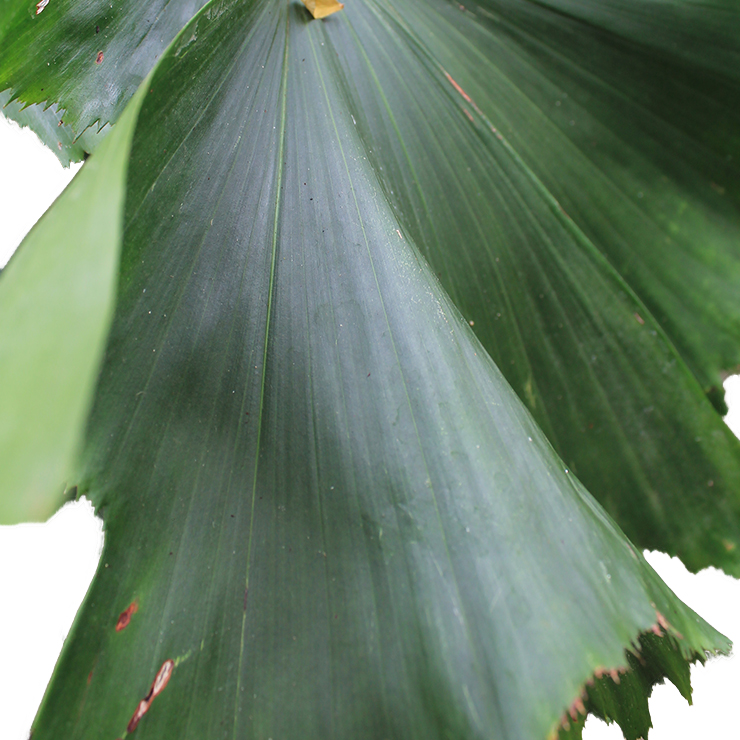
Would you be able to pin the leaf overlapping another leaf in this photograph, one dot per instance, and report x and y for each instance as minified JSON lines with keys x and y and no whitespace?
{"x":82,"y":61}
{"x":57,"y":298}
{"x":333,"y":514}
{"x":327,"y":513}
{"x":629,"y":132}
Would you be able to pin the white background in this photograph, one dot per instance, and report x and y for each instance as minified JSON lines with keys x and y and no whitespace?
{"x":45,"y":569}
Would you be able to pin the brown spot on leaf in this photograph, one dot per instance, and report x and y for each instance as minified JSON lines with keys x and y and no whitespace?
{"x":99,"y":58}
{"x":125,"y":616}
{"x":640,"y":320}
{"x":160,"y":681}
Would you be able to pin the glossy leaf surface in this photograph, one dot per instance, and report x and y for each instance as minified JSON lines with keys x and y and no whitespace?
{"x":327,"y":512}
{"x":572,"y":183}
{"x":516,"y":210}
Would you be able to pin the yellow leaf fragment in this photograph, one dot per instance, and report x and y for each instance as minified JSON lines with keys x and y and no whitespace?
{"x":322,"y":8}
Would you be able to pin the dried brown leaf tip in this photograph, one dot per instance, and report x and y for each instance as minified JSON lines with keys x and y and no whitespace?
{"x":322,"y":8}
{"x":124,"y":618}
{"x":160,"y":681}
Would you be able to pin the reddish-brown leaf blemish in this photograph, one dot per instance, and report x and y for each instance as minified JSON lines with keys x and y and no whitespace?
{"x":458,"y":88}
{"x":467,"y":98}
{"x":160,"y":681}
{"x":141,"y":710}
{"x":99,"y":58}
{"x":125,"y":616}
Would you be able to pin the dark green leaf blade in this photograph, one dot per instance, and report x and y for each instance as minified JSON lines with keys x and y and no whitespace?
{"x":628,"y":113}
{"x":477,"y":172}
{"x":56,"y":304}
{"x":323,"y":503}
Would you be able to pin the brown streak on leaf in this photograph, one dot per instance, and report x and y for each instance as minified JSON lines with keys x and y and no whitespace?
{"x":457,"y":87}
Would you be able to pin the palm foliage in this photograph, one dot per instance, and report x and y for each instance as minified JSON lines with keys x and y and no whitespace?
{"x":358,"y":306}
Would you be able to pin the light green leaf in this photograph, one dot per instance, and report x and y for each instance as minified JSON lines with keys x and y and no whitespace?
{"x":56,"y":303}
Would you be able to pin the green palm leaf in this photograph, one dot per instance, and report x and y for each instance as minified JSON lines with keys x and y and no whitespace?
{"x":327,"y":511}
